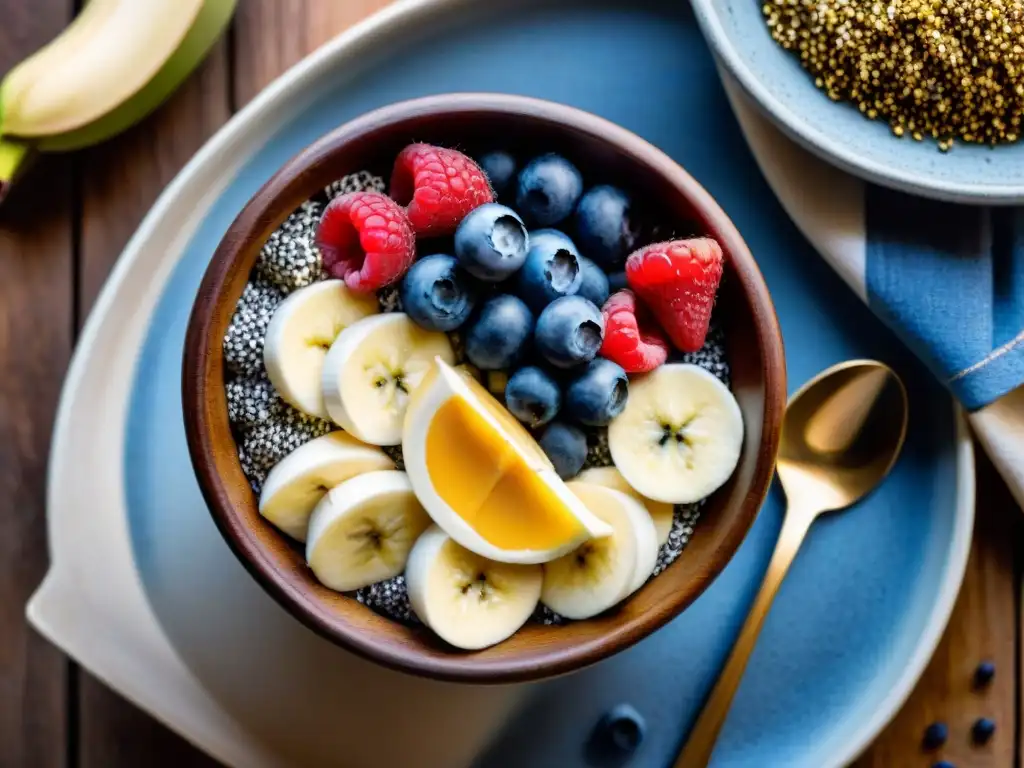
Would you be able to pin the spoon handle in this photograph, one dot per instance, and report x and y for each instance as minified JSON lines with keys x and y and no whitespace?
{"x":697,"y":751}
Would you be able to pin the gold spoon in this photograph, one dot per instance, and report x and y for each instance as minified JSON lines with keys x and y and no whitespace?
{"x":841,"y":435}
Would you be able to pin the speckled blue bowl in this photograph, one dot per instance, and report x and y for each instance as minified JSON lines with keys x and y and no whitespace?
{"x":737,"y":33}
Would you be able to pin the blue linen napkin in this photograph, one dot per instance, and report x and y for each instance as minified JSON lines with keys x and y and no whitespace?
{"x":950,"y":280}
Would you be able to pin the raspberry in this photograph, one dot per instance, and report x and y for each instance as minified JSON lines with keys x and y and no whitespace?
{"x":678,"y":281}
{"x":439,"y":186}
{"x":366,"y":240}
{"x":631,"y":337}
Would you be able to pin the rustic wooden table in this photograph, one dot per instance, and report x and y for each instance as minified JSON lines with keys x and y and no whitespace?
{"x":60,"y":235}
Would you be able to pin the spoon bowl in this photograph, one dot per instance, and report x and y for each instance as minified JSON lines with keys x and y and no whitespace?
{"x":841,"y":434}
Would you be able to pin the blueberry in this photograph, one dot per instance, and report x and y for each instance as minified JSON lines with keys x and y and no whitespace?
{"x":621,"y":730}
{"x":550,"y":271}
{"x":598,"y":394}
{"x":548,"y":189}
{"x":554,"y":236}
{"x":437,"y":294}
{"x":569,"y":331}
{"x":935,"y":735}
{"x":566,"y":446}
{"x":491,"y":242}
{"x":943,"y":764}
{"x":500,"y":168}
{"x":593,"y":282}
{"x":984,"y":673}
{"x":616,"y":282}
{"x":533,"y":396}
{"x":603,"y":227}
{"x":497,"y":337}
{"x":982,"y":730}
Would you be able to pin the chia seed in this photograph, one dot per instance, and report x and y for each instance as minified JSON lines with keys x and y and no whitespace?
{"x":389,"y":299}
{"x":290,"y":259}
{"x":389,"y":597}
{"x":363,"y":181}
{"x":243,"y":342}
{"x":394,"y":452}
{"x":266,"y":444}
{"x":252,"y":401}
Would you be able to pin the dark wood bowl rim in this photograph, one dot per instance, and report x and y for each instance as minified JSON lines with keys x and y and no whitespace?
{"x":254,"y":223}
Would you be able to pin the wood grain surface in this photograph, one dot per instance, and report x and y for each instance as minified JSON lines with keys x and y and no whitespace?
{"x":59,"y":235}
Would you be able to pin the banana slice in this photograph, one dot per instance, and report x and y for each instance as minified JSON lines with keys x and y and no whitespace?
{"x":299,"y":481}
{"x":679,"y":438}
{"x":361,"y":532}
{"x":661,"y":513}
{"x":603,"y":571}
{"x":301,"y":331}
{"x":469,"y":601}
{"x":372,"y":368}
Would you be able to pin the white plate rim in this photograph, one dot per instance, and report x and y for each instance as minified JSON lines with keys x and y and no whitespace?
{"x":832,"y":150}
{"x":95,"y":608}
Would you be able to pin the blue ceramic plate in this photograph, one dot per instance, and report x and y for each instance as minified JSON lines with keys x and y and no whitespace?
{"x":838,"y":133}
{"x":855,"y":622}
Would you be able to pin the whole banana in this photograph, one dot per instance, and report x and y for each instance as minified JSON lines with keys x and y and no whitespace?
{"x":113,"y":65}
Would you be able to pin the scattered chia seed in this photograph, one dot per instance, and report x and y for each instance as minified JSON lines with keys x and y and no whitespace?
{"x":266,"y":444}
{"x":391,"y":598}
{"x":389,"y":299}
{"x":363,"y":181}
{"x":243,"y":342}
{"x":598,"y":453}
{"x":683,"y":521}
{"x":948,"y":69}
{"x":252,"y":401}
{"x":290,"y":259}
{"x":394,"y":453}
{"x":711,"y":357}
{"x":544,"y":615}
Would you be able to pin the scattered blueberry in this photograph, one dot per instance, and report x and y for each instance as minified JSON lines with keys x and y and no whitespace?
{"x":549,"y":272}
{"x":622,"y":729}
{"x":569,"y":331}
{"x":984,"y":673}
{"x":566,"y":446}
{"x":603,"y":228}
{"x":500,"y":168}
{"x":491,"y":242}
{"x":935,"y":735}
{"x":497,"y":336}
{"x":982,"y":730}
{"x":616,"y":282}
{"x":533,"y":396}
{"x":437,"y":294}
{"x":548,"y":189}
{"x":943,"y":764}
{"x":598,"y":394}
{"x":593,"y":282}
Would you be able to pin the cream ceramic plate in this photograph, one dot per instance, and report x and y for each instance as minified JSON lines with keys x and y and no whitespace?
{"x":207,"y":652}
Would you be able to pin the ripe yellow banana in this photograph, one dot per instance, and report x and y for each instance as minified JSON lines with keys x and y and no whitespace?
{"x":115,"y":63}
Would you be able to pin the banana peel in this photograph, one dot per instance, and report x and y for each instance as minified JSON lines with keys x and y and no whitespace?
{"x":206,"y":25}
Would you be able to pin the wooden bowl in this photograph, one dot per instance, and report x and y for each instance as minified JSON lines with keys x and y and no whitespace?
{"x":604,"y":152}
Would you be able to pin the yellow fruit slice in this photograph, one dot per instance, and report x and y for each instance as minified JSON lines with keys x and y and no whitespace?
{"x":609,"y":477}
{"x":482,"y":477}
